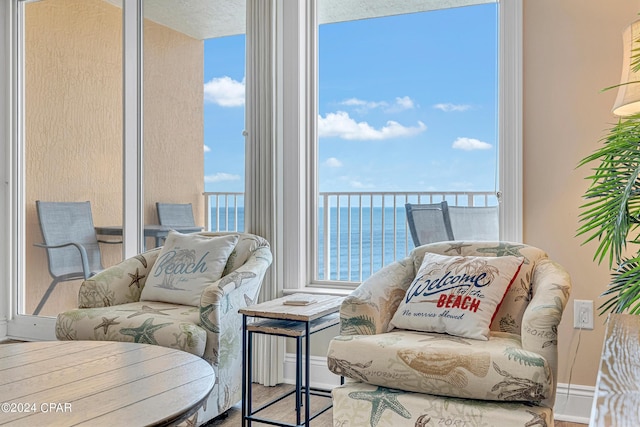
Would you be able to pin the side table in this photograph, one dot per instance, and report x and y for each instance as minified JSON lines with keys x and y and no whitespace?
{"x":293,"y":321}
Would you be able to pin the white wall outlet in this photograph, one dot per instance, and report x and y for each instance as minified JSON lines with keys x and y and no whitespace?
{"x":582,"y":314}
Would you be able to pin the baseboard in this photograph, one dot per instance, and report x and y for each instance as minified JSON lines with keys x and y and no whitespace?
{"x":572,"y":403}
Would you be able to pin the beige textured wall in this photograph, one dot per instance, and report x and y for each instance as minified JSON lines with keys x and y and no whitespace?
{"x":572,"y":49}
{"x":73,"y":152}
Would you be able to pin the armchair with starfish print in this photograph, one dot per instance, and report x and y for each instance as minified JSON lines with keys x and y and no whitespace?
{"x":109,"y":309}
{"x":399,"y":376}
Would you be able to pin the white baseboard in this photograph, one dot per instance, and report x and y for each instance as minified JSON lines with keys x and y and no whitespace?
{"x":572,"y":403}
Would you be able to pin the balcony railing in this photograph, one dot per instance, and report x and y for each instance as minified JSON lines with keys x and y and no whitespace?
{"x":358,"y":232}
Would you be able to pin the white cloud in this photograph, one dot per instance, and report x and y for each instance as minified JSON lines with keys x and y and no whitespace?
{"x":224,"y":91}
{"x":364,"y":105}
{"x":207,"y":149}
{"x":469,"y":144}
{"x":340,"y":125}
{"x":400,"y":104}
{"x":332,"y":162}
{"x":447,"y":108}
{"x":220,"y":177}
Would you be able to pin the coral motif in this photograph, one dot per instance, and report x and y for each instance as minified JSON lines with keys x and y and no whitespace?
{"x":508,"y":324}
{"x":381,"y":399}
{"x":344,"y":368}
{"x":524,"y":289}
{"x":514,"y":388}
{"x":554,"y":341}
{"x":358,"y":325}
{"x":447,"y":367}
{"x":522,"y":357}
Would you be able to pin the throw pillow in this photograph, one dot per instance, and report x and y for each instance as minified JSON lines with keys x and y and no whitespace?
{"x":187,"y":264}
{"x":458,"y":295}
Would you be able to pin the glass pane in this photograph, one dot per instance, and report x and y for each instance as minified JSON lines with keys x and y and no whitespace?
{"x":193,"y":111}
{"x":407,"y":114}
{"x":72,"y":144}
{"x":224,"y":161}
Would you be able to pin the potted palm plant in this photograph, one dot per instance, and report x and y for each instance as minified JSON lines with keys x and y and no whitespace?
{"x":611,"y":213}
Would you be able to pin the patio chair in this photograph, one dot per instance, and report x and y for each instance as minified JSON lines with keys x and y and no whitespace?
{"x":474,"y":222}
{"x":175,"y":214}
{"x":70,"y":241}
{"x":429,"y":223}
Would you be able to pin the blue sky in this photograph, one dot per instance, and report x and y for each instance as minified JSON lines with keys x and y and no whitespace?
{"x":406,"y":103}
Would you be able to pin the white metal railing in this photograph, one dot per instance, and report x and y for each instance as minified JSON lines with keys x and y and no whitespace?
{"x":357,"y":233}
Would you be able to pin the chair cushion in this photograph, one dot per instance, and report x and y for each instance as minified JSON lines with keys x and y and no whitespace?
{"x":457,"y":295}
{"x":359,"y":404}
{"x":168,"y":325}
{"x":187,"y":264}
{"x":440,"y":364}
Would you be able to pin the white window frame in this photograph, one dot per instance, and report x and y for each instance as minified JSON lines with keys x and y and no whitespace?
{"x":299,"y":109}
{"x":29,"y":327}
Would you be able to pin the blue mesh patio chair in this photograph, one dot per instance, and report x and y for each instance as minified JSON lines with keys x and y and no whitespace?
{"x":175,"y":214}
{"x":70,"y":241}
{"x":429,"y":223}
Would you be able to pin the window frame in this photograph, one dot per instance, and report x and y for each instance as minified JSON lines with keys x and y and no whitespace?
{"x":300,"y":169}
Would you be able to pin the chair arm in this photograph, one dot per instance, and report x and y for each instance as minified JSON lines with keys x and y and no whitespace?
{"x":221,"y":300}
{"x":119,"y":284}
{"x":110,"y":242}
{"x":83,"y":255}
{"x":370,"y":307}
{"x":550,"y":289}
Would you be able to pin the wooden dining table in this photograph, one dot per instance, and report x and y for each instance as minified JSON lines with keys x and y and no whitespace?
{"x":100,"y":383}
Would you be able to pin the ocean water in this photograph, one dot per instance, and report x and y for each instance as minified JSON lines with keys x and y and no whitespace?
{"x":370,"y":229}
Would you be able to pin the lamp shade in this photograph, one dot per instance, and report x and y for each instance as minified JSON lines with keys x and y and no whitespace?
{"x":628,"y":100}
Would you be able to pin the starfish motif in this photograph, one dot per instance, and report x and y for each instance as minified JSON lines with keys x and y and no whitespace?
{"x":144,"y":333}
{"x":457,"y":247}
{"x":149,"y":310}
{"x":537,"y":420}
{"x":106,"y":322}
{"x":505,"y":249}
{"x":204,"y":318}
{"x":135,"y":278}
{"x":236,"y":277}
{"x":381,"y":399}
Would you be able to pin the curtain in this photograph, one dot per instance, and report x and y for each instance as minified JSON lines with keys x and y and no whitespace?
{"x":261,"y":168}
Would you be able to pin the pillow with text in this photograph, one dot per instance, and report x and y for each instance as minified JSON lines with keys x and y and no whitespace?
{"x":186,"y":265}
{"x":458,"y":295}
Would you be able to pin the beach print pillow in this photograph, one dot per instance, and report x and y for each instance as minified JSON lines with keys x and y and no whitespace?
{"x":186,"y":265}
{"x":457,"y":295}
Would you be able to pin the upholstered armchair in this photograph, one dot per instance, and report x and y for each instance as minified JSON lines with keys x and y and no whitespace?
{"x":109,"y":308}
{"x":407,"y":377}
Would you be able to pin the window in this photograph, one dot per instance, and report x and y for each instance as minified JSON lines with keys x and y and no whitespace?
{"x":407,"y":113}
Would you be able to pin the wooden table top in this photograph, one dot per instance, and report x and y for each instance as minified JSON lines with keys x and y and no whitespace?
{"x":99,"y":383}
{"x":617,"y":397}
{"x":276,"y":309}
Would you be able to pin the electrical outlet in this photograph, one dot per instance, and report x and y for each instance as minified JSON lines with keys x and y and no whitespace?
{"x":582,"y":314}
